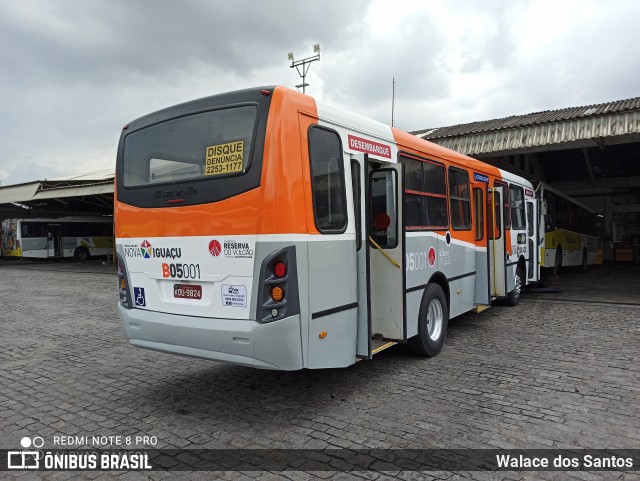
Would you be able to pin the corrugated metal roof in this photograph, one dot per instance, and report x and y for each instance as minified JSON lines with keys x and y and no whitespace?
{"x":33,"y":191}
{"x":536,"y":118}
{"x":98,"y":175}
{"x":75,"y":191}
{"x":539,"y":129}
{"x":17,"y":193}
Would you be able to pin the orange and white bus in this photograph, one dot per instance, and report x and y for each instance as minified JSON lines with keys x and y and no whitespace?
{"x":264,"y":228}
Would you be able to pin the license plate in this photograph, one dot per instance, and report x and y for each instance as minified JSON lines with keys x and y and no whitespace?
{"x":187,"y":291}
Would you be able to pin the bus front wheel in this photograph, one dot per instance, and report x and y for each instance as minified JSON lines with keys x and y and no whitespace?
{"x":81,"y":254}
{"x":513,"y":298}
{"x":432,"y":322}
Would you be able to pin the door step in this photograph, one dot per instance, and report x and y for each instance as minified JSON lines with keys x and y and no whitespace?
{"x":480,"y":308}
{"x":377,"y":346}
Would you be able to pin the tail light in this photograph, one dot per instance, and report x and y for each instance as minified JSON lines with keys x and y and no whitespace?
{"x":123,"y":284}
{"x":278,"y":295}
{"x":280,"y":269}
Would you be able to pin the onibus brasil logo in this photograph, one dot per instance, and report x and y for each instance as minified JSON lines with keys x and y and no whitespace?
{"x":31,"y":457}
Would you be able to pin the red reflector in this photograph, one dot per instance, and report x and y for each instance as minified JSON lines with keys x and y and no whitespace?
{"x":125,"y":127}
{"x":280,"y":269}
{"x":266,"y":93}
{"x":176,"y":201}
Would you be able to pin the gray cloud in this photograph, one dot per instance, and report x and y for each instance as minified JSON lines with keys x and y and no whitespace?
{"x":73,"y":72}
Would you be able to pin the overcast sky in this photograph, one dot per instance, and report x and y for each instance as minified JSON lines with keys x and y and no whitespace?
{"x":73,"y":72}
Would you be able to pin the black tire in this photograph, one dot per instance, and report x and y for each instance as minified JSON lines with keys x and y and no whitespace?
{"x":513,"y":298}
{"x":558,"y":264}
{"x":81,"y":254}
{"x":433,"y":320}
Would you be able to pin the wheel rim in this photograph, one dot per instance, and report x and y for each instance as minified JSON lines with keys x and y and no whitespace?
{"x":435,"y":318}
{"x":518,"y":286}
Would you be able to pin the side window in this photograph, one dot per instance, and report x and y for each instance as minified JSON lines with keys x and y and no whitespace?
{"x":478,"y":202}
{"x":530,"y":218}
{"x":517,"y":207}
{"x":507,"y":207}
{"x":550,"y":219}
{"x":327,"y":181}
{"x":83,"y":230}
{"x":459,"y":199}
{"x":383,"y":215}
{"x":104,"y":230}
{"x":493,"y":214}
{"x":34,"y":229}
{"x":425,"y":198}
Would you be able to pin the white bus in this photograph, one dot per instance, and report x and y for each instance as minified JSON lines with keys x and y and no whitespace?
{"x":78,"y":237}
{"x":267,"y":229}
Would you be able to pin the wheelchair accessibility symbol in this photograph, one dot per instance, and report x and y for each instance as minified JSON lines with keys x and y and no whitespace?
{"x":138,"y":296}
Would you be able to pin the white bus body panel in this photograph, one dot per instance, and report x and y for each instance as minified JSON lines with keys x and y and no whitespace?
{"x":156,"y":264}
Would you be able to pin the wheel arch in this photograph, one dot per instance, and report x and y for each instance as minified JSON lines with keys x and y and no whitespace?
{"x":440,"y":279}
{"x":81,"y":250}
{"x":522,"y":266}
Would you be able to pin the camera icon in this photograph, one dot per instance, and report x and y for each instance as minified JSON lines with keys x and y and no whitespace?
{"x":26,"y":459}
{"x":23,"y":459}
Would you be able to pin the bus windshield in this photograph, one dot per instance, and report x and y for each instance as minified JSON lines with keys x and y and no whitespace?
{"x":205,"y":145}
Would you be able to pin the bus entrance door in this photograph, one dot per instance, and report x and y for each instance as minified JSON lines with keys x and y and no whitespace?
{"x":54,"y":241}
{"x":532,"y":240}
{"x":497,"y":251}
{"x":482,"y":297}
{"x":385,"y":236}
{"x":359,"y":164}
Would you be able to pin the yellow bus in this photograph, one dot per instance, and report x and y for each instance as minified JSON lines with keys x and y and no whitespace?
{"x":570,"y":237}
{"x":77,"y":237}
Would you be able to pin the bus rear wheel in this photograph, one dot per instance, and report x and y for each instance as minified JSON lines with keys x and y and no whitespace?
{"x":81,"y":254}
{"x":432,"y":322}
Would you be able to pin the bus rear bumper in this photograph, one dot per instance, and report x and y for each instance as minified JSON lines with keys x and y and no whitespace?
{"x":275,"y":345}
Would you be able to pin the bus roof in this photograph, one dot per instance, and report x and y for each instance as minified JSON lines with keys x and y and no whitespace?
{"x":545,"y":186}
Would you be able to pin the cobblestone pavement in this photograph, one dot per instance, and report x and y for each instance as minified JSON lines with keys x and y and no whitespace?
{"x":552,"y":372}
